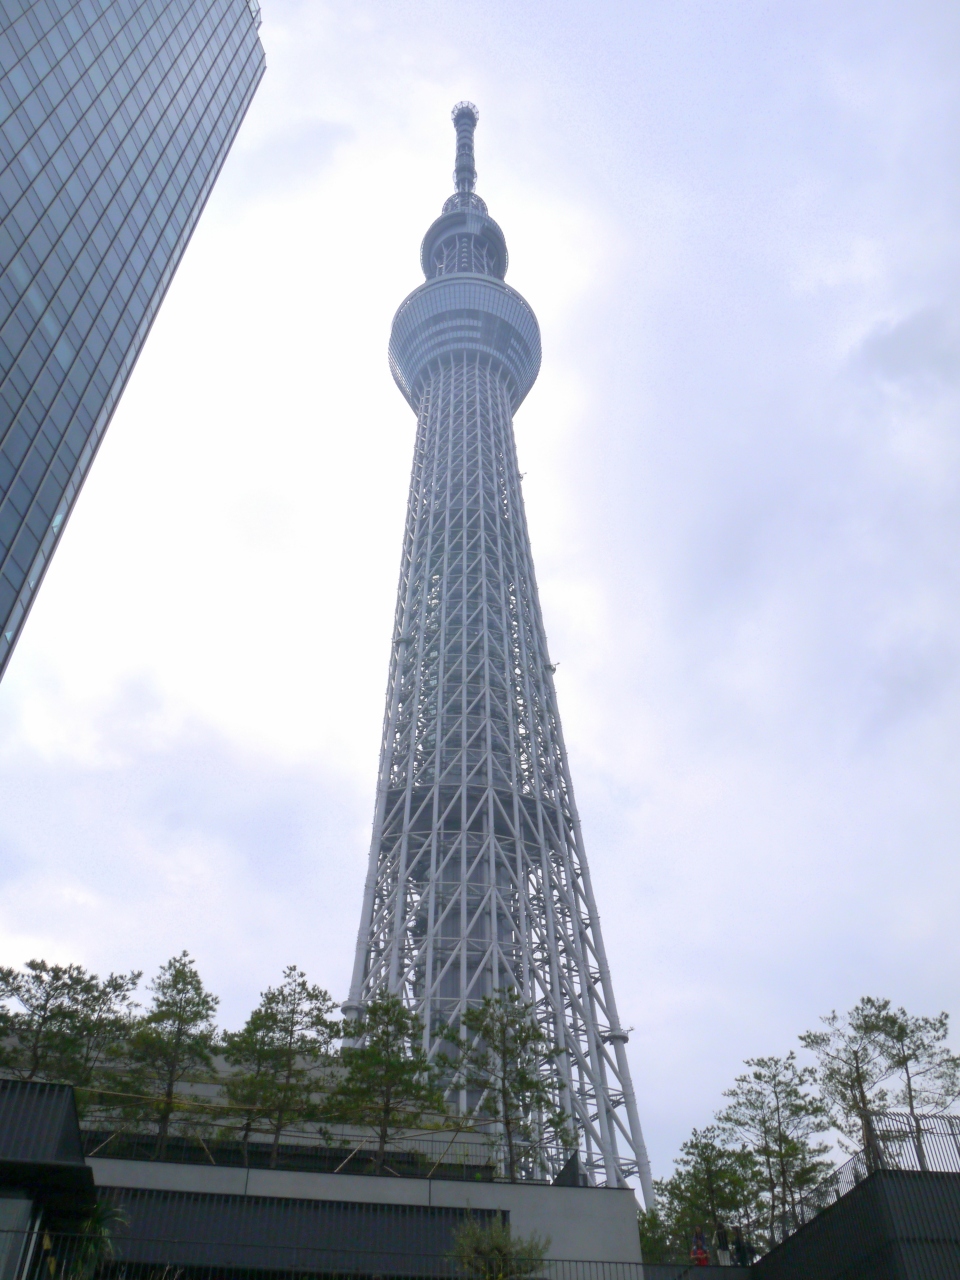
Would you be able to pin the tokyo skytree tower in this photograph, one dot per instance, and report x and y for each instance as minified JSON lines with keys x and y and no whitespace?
{"x":477,"y":878}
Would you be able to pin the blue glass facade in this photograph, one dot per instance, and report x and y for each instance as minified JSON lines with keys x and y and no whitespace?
{"x":115,"y":117}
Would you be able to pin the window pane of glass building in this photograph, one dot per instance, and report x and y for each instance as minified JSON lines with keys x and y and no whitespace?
{"x":115,"y":118}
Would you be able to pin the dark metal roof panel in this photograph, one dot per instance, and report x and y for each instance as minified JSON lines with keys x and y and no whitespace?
{"x":38,"y":1123}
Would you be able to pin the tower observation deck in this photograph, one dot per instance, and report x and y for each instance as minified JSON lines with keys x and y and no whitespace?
{"x":477,"y":878}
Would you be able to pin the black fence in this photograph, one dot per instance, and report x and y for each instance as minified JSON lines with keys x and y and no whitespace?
{"x":244,"y":1232}
{"x":925,"y":1144}
{"x":895,"y":1224}
{"x":690,"y":1271}
{"x":929,"y":1144}
{"x":39,"y":1255}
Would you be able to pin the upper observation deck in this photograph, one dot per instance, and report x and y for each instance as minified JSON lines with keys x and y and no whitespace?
{"x":464,"y":306}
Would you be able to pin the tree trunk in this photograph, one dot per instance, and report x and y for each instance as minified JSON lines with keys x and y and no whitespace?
{"x":34,"y":1059}
{"x":507,"y":1124}
{"x":163,"y":1123}
{"x":35,"y":1046}
{"x":275,"y":1145}
{"x":511,"y":1157}
{"x":917,"y":1128}
{"x":173,"y":1068}
{"x":384,"y":1133}
{"x":871,"y":1143}
{"x":712,"y":1195}
{"x":772,"y":1184}
{"x":786,"y":1189}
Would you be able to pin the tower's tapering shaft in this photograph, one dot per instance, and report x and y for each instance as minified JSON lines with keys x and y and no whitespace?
{"x":477,"y":878}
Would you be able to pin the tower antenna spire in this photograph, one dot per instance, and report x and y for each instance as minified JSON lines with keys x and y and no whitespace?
{"x":465,"y":116}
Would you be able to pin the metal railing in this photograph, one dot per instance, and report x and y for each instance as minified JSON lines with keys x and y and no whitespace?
{"x":445,"y":1158}
{"x":691,"y":1271}
{"x":929,"y":1144}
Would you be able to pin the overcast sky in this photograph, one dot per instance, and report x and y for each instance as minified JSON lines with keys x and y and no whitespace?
{"x":738,"y":225}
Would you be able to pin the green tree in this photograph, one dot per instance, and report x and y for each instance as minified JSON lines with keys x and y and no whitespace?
{"x":66,"y":1022}
{"x":712,"y":1183}
{"x":853,"y":1065}
{"x":656,"y":1244}
{"x":94,"y":1245}
{"x":490,"y":1251}
{"x":387,"y":1083}
{"x":278,"y":1054}
{"x":171,"y":1044}
{"x":917,"y":1055}
{"x":774,"y":1111}
{"x":250,"y":1051}
{"x":507,"y":1058}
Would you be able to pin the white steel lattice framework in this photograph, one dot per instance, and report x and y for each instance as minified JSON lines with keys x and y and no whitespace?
{"x":477,"y":876}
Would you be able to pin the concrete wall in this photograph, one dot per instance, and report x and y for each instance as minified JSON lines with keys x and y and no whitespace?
{"x":583,"y":1223}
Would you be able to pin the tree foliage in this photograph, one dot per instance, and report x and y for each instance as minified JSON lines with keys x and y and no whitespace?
{"x":387,"y":1083}
{"x":64,"y":1023}
{"x":95,"y":1243}
{"x":853,"y":1067}
{"x":508,"y":1061}
{"x":137,"y":1069}
{"x":490,"y":1251}
{"x":927,"y":1072}
{"x":915,"y":1049}
{"x":657,"y":1243}
{"x":278,"y":1056}
{"x":774,"y":1111}
{"x":172,"y":1043}
{"x":712,"y":1183}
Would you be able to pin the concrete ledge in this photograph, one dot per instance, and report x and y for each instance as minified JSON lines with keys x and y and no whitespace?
{"x":338,"y":1186}
{"x":583,"y":1223}
{"x":147,"y":1175}
{"x":588,"y":1224}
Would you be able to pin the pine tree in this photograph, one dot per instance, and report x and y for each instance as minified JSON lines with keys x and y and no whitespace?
{"x":507,"y":1059}
{"x":916,"y":1052}
{"x":250,"y":1051}
{"x":68,"y":1022}
{"x":655,"y":1237}
{"x":852,"y":1068}
{"x":774,"y":1111}
{"x":278,"y":1055}
{"x":490,"y":1251}
{"x":712,"y":1184}
{"x":387,"y":1082}
{"x":171,"y":1044}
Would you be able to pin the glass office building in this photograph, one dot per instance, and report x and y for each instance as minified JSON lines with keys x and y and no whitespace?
{"x":115,"y":117}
